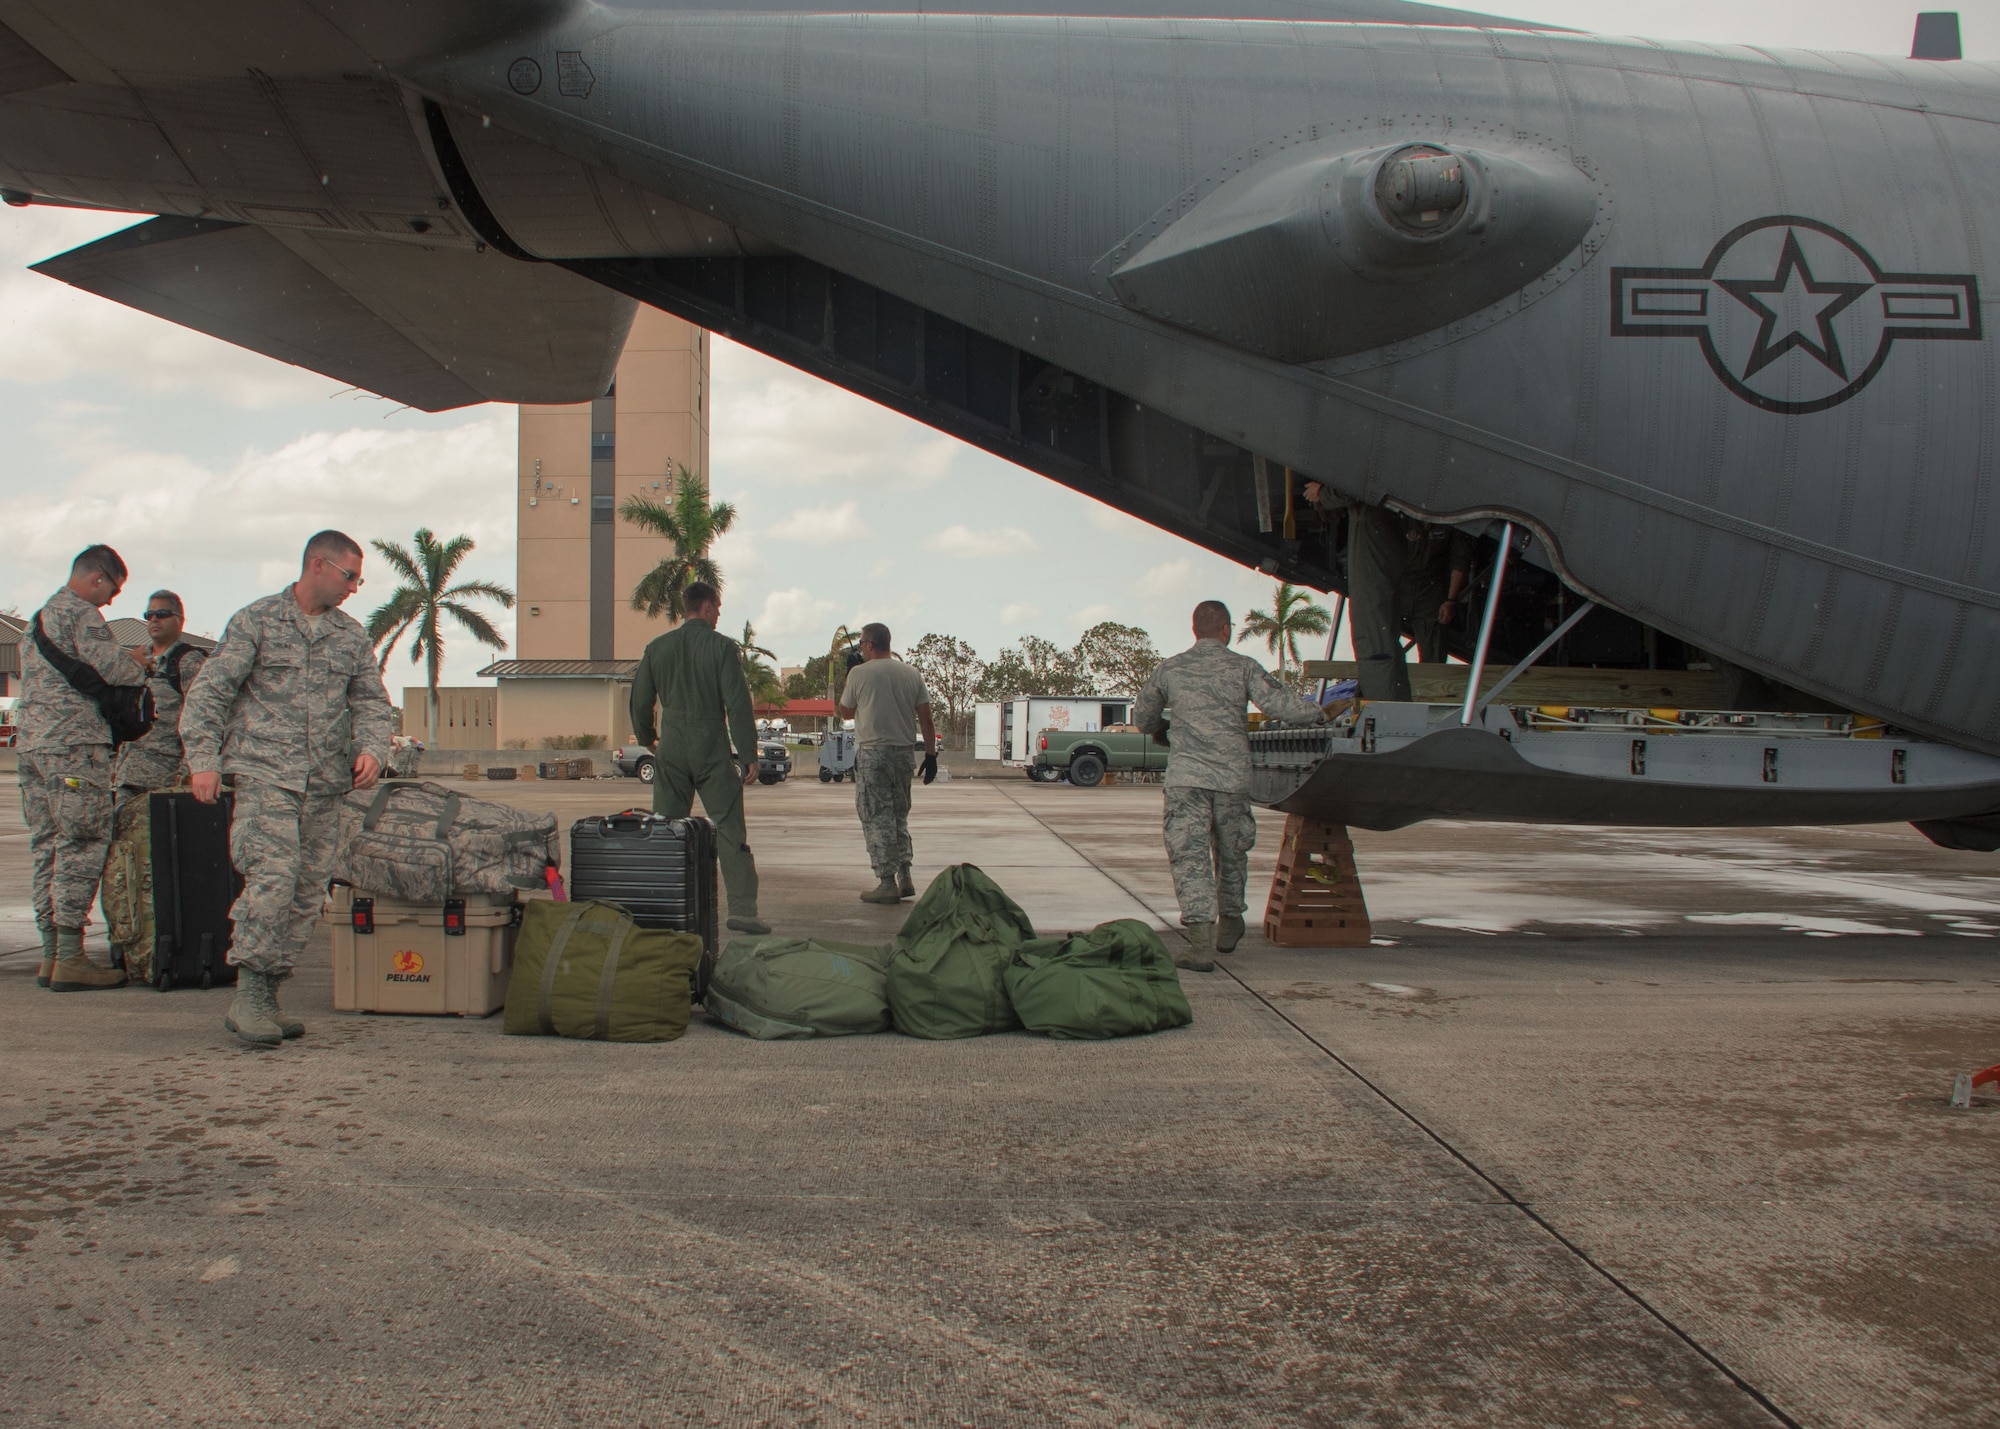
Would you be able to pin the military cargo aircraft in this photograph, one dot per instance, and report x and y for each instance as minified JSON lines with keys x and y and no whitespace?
{"x":1691,"y":335}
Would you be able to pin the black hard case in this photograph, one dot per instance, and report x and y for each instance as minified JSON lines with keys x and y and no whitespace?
{"x":661,"y":871}
{"x":194,"y":885}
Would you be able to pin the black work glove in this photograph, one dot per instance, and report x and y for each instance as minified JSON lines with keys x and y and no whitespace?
{"x":930,"y":767}
{"x":1160,"y":735}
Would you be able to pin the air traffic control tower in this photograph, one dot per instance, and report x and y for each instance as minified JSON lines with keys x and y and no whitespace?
{"x":579,"y":638}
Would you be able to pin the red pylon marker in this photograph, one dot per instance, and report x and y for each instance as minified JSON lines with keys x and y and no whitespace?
{"x":1316,"y":899}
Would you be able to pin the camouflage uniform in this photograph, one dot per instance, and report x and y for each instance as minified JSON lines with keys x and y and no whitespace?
{"x":66,"y":760}
{"x":1208,"y":824}
{"x":885,"y":696}
{"x":696,"y":677}
{"x":157,"y":761}
{"x":882,"y":774}
{"x":283,"y":707}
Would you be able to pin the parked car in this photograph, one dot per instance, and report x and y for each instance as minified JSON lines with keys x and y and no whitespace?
{"x":774,"y":761}
{"x":633,"y":761}
{"x":1085,"y":757}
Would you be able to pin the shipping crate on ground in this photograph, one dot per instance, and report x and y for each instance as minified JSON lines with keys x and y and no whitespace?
{"x":438,"y":958}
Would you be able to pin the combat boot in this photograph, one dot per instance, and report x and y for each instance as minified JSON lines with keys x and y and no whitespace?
{"x":73,"y":972}
{"x":287,"y":1024}
{"x":48,"y":963}
{"x":1228,"y":932}
{"x":252,"y":1016}
{"x":883,"y":892}
{"x":747,"y":923}
{"x":1200,"y":954}
{"x":905,"y":886}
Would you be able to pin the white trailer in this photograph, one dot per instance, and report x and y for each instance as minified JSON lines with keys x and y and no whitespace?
{"x":1005,"y":729}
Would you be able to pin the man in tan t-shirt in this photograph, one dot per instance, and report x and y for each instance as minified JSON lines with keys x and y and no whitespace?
{"x":887,"y":700}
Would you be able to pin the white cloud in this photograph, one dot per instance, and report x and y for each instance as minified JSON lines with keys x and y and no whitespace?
{"x":1017,"y":614}
{"x":824,"y":525}
{"x":1092,"y":614}
{"x":368,"y":482}
{"x":1169,"y":578}
{"x":966,"y":543}
{"x":795,"y":615}
{"x":777,"y":424}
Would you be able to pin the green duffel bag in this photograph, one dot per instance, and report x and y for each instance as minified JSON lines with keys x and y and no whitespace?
{"x":1117,"y":980}
{"x":773,"y":988}
{"x":947,"y":977}
{"x":587,"y":970}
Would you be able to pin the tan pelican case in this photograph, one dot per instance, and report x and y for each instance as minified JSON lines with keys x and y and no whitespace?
{"x":437,"y":958}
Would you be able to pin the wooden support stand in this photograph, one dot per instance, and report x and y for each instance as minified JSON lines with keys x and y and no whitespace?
{"x":1316,"y":899}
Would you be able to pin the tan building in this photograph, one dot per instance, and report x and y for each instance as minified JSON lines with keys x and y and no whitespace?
{"x":578,"y":636}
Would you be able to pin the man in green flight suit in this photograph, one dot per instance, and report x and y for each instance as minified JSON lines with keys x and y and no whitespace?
{"x":695,"y":676}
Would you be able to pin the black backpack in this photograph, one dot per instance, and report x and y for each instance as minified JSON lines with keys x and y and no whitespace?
{"x":128,"y":709}
{"x":173,"y":665}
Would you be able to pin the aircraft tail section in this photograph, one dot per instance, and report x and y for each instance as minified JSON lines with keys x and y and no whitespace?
{"x":434,"y":328}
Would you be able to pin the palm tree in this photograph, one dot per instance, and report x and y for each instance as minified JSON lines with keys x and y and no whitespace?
{"x":425,"y":595}
{"x":760,"y":676}
{"x":836,"y":668}
{"x":1293,"y":613}
{"x":690,"y":525}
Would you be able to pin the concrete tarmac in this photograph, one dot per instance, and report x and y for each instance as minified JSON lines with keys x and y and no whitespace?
{"x":1608,"y":1128}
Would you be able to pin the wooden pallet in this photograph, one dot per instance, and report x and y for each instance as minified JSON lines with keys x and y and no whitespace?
{"x":1316,"y":899}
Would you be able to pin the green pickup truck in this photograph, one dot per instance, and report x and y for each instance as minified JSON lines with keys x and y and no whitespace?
{"x":1085,"y":757}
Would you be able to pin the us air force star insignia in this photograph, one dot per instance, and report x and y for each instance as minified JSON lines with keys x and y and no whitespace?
{"x":1792,"y":314}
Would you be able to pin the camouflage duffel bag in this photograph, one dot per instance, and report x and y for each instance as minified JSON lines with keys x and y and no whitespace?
{"x":587,"y":970}
{"x":424,"y":843}
{"x":127,"y":888}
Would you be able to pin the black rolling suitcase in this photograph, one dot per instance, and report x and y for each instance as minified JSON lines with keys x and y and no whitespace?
{"x":661,"y":871}
{"x":193,"y":886}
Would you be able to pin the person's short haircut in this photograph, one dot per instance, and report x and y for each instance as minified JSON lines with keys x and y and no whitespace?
{"x":875,"y":634}
{"x":700,"y":593}
{"x":331,"y":546}
{"x":170,"y":598}
{"x":1211,"y":615}
{"x":101,"y":559}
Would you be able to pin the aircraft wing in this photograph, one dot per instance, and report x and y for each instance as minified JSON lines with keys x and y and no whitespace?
{"x":435,"y":328}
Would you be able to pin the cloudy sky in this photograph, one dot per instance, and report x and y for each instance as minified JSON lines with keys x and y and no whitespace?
{"x":206,"y":466}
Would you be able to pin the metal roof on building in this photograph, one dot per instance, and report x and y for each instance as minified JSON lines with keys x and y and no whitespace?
{"x":559,"y":670}
{"x":131,"y":633}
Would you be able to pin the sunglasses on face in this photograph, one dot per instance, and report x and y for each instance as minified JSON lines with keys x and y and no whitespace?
{"x":163,"y":615}
{"x":354,"y":576}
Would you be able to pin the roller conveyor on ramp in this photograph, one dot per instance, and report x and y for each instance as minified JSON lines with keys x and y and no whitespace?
{"x":1272,"y":1217}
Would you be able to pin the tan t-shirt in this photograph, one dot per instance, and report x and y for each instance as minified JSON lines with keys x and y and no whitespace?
{"x":884,"y":695}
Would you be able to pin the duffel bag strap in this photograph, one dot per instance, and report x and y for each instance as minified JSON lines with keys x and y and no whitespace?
{"x":545,"y":1014}
{"x":607,"y":979}
{"x":447,"y":816}
{"x":376,"y":806}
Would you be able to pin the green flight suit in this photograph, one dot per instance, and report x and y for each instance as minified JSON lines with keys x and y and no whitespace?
{"x":696,"y":678}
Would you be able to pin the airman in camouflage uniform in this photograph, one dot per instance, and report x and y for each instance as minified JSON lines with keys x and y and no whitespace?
{"x":66,"y":767}
{"x":154,"y":762}
{"x":695,"y":676}
{"x":887,"y":701}
{"x":1208,"y":823}
{"x":291,"y":706}
{"x":157,"y":761}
